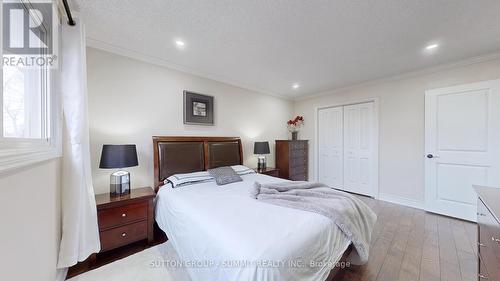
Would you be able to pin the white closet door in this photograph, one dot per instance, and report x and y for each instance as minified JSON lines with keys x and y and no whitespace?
{"x":331,"y":159}
{"x":358,"y":148}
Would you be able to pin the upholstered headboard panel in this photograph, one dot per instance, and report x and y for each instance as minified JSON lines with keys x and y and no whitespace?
{"x":223,"y":153}
{"x":173,"y":155}
{"x":180,"y":157}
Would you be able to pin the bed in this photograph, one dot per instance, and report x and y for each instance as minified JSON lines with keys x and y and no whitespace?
{"x":221,"y":233}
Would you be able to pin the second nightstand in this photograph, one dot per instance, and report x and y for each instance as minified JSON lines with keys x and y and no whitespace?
{"x":125,"y":219}
{"x":268,"y":171}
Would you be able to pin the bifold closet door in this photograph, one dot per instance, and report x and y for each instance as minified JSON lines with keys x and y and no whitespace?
{"x":331,"y":154}
{"x":358,"y":148}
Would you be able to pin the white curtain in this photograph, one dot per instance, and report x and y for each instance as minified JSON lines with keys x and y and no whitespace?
{"x":80,"y":233}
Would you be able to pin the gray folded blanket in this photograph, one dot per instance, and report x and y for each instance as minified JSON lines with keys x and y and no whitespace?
{"x":354,"y":218}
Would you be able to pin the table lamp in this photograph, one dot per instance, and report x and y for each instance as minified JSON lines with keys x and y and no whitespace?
{"x":261,"y":148}
{"x":117,"y":157}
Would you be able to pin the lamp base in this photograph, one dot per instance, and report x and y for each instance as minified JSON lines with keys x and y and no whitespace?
{"x":119,"y":183}
{"x":261,"y":162}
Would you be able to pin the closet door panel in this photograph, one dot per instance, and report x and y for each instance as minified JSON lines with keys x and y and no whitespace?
{"x":351,"y":147}
{"x":365,"y":146}
{"x":322,"y":146}
{"x":358,"y":139}
{"x":331,"y":160}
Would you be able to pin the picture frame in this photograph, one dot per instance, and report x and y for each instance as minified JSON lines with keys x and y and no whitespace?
{"x":198,"y":109}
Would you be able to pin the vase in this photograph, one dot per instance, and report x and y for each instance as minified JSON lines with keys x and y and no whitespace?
{"x":294,"y":135}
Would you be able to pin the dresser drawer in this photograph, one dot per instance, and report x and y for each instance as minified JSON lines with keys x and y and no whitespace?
{"x":298,"y":177}
{"x":298,"y":173}
{"x":119,"y":236}
{"x":300,"y":169}
{"x":489,"y":228}
{"x":298,"y":145}
{"x":489,"y":241}
{"x":483,"y":272}
{"x":299,"y":153}
{"x":298,"y":162}
{"x":490,"y":257}
{"x":121,"y":215}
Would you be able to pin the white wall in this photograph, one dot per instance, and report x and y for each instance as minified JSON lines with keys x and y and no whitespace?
{"x":30,"y":216}
{"x":401,"y":142}
{"x":130,"y":101}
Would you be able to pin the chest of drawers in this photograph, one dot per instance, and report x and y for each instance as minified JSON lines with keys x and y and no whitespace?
{"x":292,"y":159}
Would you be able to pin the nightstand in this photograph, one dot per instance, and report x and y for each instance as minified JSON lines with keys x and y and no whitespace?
{"x":270,"y":171}
{"x":125,"y":219}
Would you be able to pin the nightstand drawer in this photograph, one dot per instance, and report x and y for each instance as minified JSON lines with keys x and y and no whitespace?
{"x":272,"y":173}
{"x":121,"y":215}
{"x":123,"y":235}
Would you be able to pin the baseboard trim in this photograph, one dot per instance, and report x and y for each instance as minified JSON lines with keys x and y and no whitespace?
{"x":401,"y":200}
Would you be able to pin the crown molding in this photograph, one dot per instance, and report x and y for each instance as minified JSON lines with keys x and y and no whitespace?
{"x":101,"y":45}
{"x":406,"y":75}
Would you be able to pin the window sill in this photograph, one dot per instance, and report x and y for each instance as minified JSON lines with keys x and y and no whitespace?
{"x":12,"y":160}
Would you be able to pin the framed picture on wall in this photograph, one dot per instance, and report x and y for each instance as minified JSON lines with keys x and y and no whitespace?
{"x":198,"y":109}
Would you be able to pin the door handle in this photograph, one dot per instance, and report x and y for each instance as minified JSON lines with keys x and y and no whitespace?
{"x":430,"y":156}
{"x":482,"y":276}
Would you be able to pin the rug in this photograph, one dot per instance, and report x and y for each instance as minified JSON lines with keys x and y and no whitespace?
{"x":157,"y":263}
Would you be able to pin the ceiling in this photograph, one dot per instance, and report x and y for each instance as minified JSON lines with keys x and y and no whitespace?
{"x":268,"y":45}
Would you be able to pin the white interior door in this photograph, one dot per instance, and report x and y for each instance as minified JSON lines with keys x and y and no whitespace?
{"x":462,"y":127}
{"x":359,"y":148}
{"x":330,"y":144}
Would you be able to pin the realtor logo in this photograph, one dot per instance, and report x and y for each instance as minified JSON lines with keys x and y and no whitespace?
{"x":28,"y":37}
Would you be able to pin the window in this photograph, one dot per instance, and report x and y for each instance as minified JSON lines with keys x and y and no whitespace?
{"x":30,"y":113}
{"x":25,"y":103}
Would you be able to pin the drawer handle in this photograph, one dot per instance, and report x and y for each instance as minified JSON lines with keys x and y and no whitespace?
{"x":124,"y":234}
{"x":481,"y":214}
{"x":495,"y":239}
{"x":482,"y":276}
{"x":124,"y":215}
{"x":481,"y":244}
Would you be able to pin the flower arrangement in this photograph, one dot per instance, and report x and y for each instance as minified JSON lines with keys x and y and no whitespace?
{"x":295,"y":124}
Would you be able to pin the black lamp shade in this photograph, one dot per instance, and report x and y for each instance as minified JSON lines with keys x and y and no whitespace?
{"x":261,"y":147}
{"x":118,"y":156}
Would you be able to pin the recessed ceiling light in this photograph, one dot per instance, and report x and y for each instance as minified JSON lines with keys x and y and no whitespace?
{"x":179,"y":43}
{"x":295,"y":86}
{"x":431,"y":46}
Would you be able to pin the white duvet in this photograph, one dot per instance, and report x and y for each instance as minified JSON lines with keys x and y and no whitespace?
{"x":220,"y":233}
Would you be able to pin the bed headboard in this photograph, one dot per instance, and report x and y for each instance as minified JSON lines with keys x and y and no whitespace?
{"x":174,"y":154}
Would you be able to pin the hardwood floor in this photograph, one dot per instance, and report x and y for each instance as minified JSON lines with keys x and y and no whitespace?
{"x":410,"y":244}
{"x":407,"y":245}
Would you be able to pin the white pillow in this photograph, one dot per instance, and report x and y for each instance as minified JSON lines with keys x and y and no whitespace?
{"x":177,"y":180}
{"x":242,"y":170}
